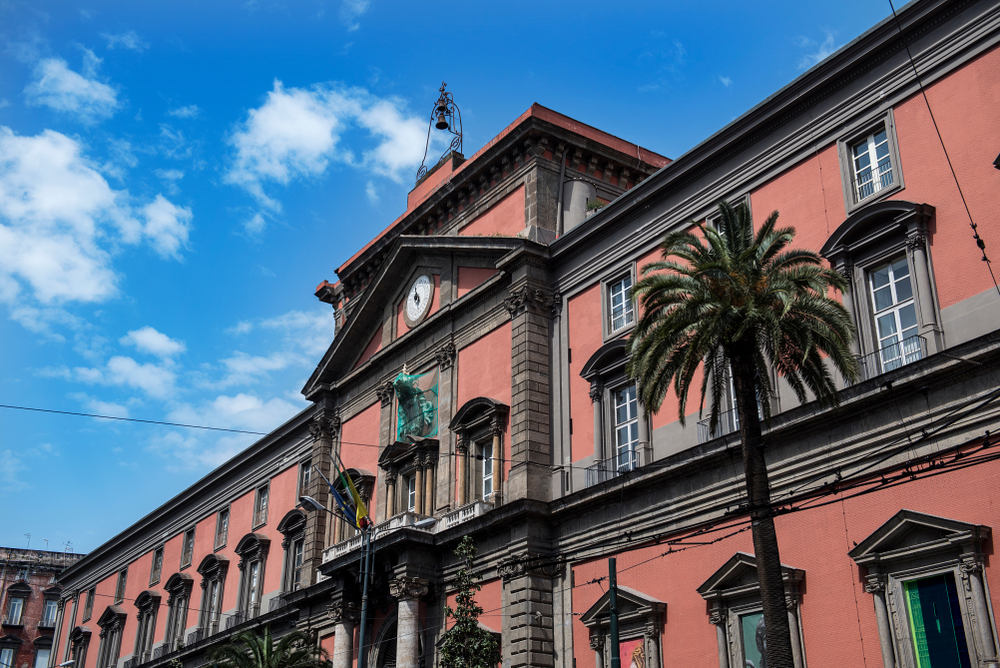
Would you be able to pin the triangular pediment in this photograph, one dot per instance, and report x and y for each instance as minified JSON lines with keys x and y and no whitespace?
{"x":112,"y":613}
{"x":738,"y":577}
{"x":632,"y":606}
{"x":908,"y":533}
{"x":388,"y":285}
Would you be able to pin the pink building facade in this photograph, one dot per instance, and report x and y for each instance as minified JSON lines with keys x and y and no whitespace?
{"x":476,"y":386}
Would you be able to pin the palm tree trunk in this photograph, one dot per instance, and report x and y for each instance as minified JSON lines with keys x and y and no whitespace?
{"x":765,"y":541}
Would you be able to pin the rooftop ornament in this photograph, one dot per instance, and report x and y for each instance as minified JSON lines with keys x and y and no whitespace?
{"x":445,"y":115}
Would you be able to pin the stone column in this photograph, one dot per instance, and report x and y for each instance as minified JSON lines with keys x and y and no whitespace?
{"x":597,"y":644}
{"x":651,"y":638}
{"x":345,"y":617}
{"x":597,"y":397}
{"x":791,"y":603}
{"x":718,"y":618}
{"x":428,"y":485}
{"x":496,"y":426}
{"x":408,"y":592}
{"x":876,"y":587}
{"x":462,"y":464}
{"x":972,"y":572}
{"x":916,"y":243}
{"x":390,"y":492}
{"x":418,"y":503}
{"x":325,"y":428}
{"x":847,"y":271}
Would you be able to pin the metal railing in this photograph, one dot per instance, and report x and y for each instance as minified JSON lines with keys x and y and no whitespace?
{"x":278,"y":601}
{"x":160,"y":651}
{"x":873,"y":180}
{"x":606,"y":469}
{"x":892,"y":356}
{"x":236,"y":619}
{"x":47,"y":623}
{"x":12,"y":620}
{"x":196,"y":636}
{"x":729,"y":422}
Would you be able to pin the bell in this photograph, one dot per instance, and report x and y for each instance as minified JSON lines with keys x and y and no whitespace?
{"x":442,"y":122}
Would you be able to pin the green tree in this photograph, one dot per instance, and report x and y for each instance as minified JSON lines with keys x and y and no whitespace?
{"x":467,"y":644}
{"x":250,"y":650}
{"x":738,"y":304}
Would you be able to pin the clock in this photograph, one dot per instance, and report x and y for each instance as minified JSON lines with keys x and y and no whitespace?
{"x":418,"y":300}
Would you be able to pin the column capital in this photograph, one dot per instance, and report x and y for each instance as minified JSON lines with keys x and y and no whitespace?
{"x":596,"y":391}
{"x":404,"y":588}
{"x":717,"y":617}
{"x":875,"y":585}
{"x":597,"y":641}
{"x":343,"y":612}
{"x":325,"y":425}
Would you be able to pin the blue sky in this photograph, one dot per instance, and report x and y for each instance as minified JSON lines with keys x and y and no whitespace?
{"x":176,"y":178}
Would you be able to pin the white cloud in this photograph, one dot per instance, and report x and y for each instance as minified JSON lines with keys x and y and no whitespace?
{"x":61,"y":223}
{"x":371,"y":193}
{"x":725,"y":81}
{"x":167,"y":226}
{"x":255,"y":226}
{"x":151,"y":341}
{"x":243,"y":369}
{"x":351,"y":10}
{"x":120,"y":371}
{"x":127,"y":40}
{"x":822,"y":50}
{"x":188,"y":111}
{"x":11,"y":468}
{"x":173,"y":144}
{"x":242,"y":327}
{"x":297,"y":132}
{"x":99,"y":407}
{"x":62,"y":89}
{"x":312,"y":331}
{"x":169,"y":174}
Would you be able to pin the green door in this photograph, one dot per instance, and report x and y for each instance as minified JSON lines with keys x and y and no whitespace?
{"x":936,"y":623}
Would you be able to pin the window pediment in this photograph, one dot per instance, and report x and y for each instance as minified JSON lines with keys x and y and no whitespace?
{"x":77,"y":634}
{"x":608,"y":359}
{"x":633,"y":606}
{"x":476,"y":413}
{"x":112,"y":614}
{"x":9,"y":640}
{"x":179,"y":583}
{"x":213,"y":564}
{"x":738,"y":578}
{"x":52,"y":592}
{"x":910,"y":534}
{"x":253,"y":544}
{"x":19,"y":589}
{"x":869,"y":225}
{"x":293,"y":521}
{"x":401,"y":454}
{"x":147,"y":599}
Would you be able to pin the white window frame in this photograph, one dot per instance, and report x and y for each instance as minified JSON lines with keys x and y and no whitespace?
{"x":630,"y":462}
{"x":486,"y":485}
{"x":39,"y":653}
{"x":11,"y":656}
{"x":617,"y":290}
{"x":411,"y":491}
{"x":895,"y":354}
{"x":9,"y":616}
{"x":47,"y":619}
{"x":865,"y":132}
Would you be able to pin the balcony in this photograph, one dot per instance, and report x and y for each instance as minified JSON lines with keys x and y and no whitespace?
{"x":465,"y":513}
{"x":129,"y":663}
{"x":277,"y":602}
{"x":47,"y":623}
{"x":606,"y":469}
{"x":236,"y":619}
{"x":160,"y":651}
{"x":196,"y":636}
{"x":13,"y":620}
{"x":892,"y":356}
{"x":354,"y":543}
{"x":729,"y":422}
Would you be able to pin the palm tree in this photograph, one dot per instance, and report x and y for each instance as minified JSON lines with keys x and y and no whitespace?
{"x":250,"y":650}
{"x":738,"y":304}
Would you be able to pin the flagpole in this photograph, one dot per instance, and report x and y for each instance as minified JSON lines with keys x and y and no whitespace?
{"x":365,"y":576}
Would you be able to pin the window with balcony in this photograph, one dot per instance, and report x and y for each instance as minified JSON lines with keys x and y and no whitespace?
{"x":869,"y":162}
{"x":49,"y":611}
{"x":178,"y":589}
{"x":260,"y":506}
{"x":621,"y":311}
{"x":884,"y":252}
{"x":213,"y":570}
{"x":147,"y":603}
{"x":626,"y":427}
{"x":480,"y":425}
{"x":8,"y":653}
{"x":222,"y":528}
{"x":14,"y":615}
{"x":187,"y":548}
{"x":252,"y":550}
{"x":156,"y":568}
{"x":409,"y":477}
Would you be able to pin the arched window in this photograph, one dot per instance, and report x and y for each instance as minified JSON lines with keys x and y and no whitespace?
{"x":213,"y":571}
{"x":293,"y":528}
{"x":479,"y":427}
{"x":148,"y":602}
{"x":112,"y":622}
{"x":179,"y":592}
{"x":252,"y":550}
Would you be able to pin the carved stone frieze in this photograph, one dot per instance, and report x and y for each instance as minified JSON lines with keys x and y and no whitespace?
{"x":403,"y":588}
{"x":385,"y":392}
{"x":557,"y":305}
{"x":343,"y":612}
{"x":325,"y":425}
{"x":523,"y":298}
{"x":527,"y":564}
{"x":445,"y":356}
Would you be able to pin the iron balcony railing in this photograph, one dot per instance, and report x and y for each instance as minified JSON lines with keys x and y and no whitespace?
{"x":47,"y":622}
{"x":606,"y":469}
{"x":236,"y":619}
{"x":160,"y":651}
{"x":892,"y":356}
{"x":12,"y":620}
{"x":729,"y":422}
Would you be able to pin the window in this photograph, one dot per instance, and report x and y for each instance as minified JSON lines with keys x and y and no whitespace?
{"x":88,"y":606}
{"x":42,"y":656}
{"x":187,"y":548}
{"x":293,"y":528}
{"x":49,"y":611}
{"x":297,"y":553}
{"x":620,"y":307}
{"x":929,"y":572}
{"x":411,"y":492}
{"x":305,"y":476}
{"x":252,"y":550}
{"x":15,"y":610}
{"x":895,"y":314}
{"x":7,"y":657}
{"x":213,"y":570}
{"x":639,"y":629}
{"x":147,"y":603}
{"x":735,"y":608}
{"x":486,"y":455}
{"x":883,"y":252}
{"x":260,"y":507}
{"x":869,"y":162}
{"x":120,"y":587}
{"x":178,"y":589}
{"x":626,"y":426}
{"x":112,"y":622}
{"x":480,"y":425}
{"x":22,"y":574}
{"x":157,"y":566}
{"x":221,"y":528}
{"x":79,"y":641}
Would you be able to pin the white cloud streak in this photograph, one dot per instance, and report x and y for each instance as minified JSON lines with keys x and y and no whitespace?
{"x":821,"y":52}
{"x":60,"y":88}
{"x":188,"y":111}
{"x":149,"y":340}
{"x":127,"y":40}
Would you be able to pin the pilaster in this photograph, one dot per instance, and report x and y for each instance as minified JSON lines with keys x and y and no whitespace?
{"x":528,"y":582}
{"x":325,"y":428}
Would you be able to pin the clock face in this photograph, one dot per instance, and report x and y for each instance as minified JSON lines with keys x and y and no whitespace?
{"x":418,"y":299}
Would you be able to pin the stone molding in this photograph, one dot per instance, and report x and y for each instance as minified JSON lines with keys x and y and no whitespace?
{"x":343,"y":612}
{"x":524,"y":298}
{"x":404,"y":588}
{"x":385,"y":392}
{"x":325,"y":425}
{"x":445,"y":355}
